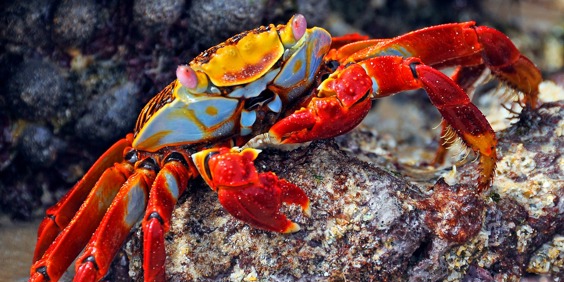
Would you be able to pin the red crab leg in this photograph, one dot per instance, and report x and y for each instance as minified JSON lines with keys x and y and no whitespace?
{"x":170,"y":183}
{"x":454,"y":105}
{"x":463,"y":44}
{"x":465,"y":77}
{"x":389,"y":75}
{"x":59,"y":215}
{"x":124,"y":212}
{"x":252,"y":197}
{"x":73,"y":238}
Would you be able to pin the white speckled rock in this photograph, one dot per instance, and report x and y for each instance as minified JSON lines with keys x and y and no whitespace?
{"x":367,"y":224}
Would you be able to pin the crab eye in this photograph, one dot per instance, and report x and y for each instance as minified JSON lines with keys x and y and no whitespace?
{"x":187,"y":76}
{"x":299,"y":25}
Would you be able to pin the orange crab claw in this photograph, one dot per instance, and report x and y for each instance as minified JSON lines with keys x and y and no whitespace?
{"x":250,"y":196}
{"x":341,"y":104}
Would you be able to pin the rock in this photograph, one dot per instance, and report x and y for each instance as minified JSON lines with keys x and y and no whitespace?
{"x":155,"y":16}
{"x":38,"y":91}
{"x":39,"y":147}
{"x":26,"y":24}
{"x":210,"y":28}
{"x":359,"y":227}
{"x":75,"y":22}
{"x":368,"y":224}
{"x":109,"y":115}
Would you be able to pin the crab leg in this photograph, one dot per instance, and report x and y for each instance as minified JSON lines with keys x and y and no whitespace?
{"x":59,"y":215}
{"x":462,"y":44}
{"x":124,"y":212}
{"x":464,"y":117}
{"x":169,"y":184}
{"x":386,"y":76}
{"x":249,"y":196}
{"x":465,"y":77}
{"x":73,"y":238}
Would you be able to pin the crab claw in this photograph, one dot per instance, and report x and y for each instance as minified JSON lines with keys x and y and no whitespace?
{"x":341,"y":104}
{"x":249,"y":196}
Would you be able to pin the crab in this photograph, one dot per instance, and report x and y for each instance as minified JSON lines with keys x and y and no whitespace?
{"x":294,"y":84}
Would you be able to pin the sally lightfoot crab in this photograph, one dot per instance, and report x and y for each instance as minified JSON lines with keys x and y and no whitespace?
{"x":293,"y":83}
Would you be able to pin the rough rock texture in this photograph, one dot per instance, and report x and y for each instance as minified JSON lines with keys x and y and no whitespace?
{"x":63,"y":63}
{"x":360,"y":229}
{"x":369,"y":224}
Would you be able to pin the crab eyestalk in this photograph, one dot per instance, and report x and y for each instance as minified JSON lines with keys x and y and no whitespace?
{"x":293,"y":31}
{"x":195,"y":81}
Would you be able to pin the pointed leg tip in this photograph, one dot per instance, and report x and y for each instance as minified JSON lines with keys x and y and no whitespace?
{"x":292,"y":228}
{"x":306,"y":209}
{"x":274,"y":137}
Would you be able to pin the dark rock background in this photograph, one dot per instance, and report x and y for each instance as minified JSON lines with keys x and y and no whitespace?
{"x":74,"y":75}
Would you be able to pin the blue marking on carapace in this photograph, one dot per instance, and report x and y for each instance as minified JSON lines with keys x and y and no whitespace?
{"x":245,"y":131}
{"x":179,"y":123}
{"x":222,"y":109}
{"x":287,"y":77}
{"x":320,"y":40}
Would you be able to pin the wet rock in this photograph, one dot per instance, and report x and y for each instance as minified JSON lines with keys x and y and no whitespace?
{"x":210,"y":27}
{"x":7,"y":146}
{"x":38,"y":145}
{"x":359,"y":228}
{"x":18,"y":198}
{"x":26,"y":23}
{"x":109,"y":115}
{"x":156,"y":15}
{"x":38,"y":91}
{"x":315,"y":11}
{"x":367,"y":224}
{"x":477,"y":274}
{"x":74,"y":22}
{"x":454,"y":212}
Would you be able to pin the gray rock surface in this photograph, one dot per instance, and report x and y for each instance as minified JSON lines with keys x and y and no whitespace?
{"x":370,"y":224}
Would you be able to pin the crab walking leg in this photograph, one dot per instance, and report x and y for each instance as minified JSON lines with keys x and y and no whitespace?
{"x":249,"y":196}
{"x":170,"y":183}
{"x":74,"y":237}
{"x":124,"y":212}
{"x":454,"y":105}
{"x":460,"y":44}
{"x":465,"y":77}
{"x":59,"y":215}
{"x":464,"y":117}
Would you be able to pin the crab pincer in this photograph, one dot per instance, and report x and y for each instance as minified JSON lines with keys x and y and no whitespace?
{"x":246,"y":194}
